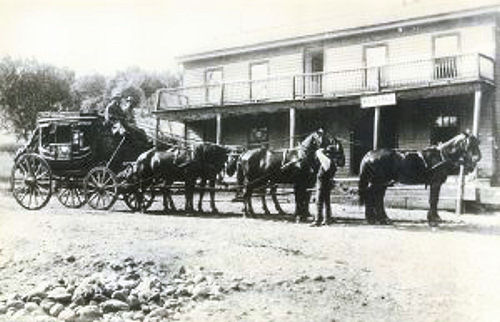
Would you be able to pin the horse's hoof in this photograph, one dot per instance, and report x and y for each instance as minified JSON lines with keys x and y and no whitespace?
{"x":315,"y":224}
{"x":433,"y":223}
{"x":267,"y":213}
{"x":385,"y":221}
{"x":215,"y":210}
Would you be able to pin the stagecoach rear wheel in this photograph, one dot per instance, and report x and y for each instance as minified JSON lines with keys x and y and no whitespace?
{"x":71,"y":194}
{"x":101,"y":188}
{"x":140,"y":198}
{"x":31,"y":181}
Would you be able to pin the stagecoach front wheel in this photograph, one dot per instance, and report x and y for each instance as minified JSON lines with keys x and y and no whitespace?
{"x":101,"y":188}
{"x":31,"y":181}
{"x":140,"y":198}
{"x":71,"y":194}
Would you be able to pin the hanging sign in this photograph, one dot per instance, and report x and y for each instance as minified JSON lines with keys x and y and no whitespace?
{"x":378,"y":100}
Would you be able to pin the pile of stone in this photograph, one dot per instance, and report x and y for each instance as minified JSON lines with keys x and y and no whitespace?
{"x":124,"y":290}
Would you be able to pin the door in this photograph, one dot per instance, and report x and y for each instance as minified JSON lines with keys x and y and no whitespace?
{"x":313,"y":68}
{"x":259,"y":72}
{"x":375,"y":57}
{"x":446,"y":48}
{"x":213,"y":85}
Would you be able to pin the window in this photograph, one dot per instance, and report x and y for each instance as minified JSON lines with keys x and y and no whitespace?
{"x":259,"y":73}
{"x":445,"y":125}
{"x":446,"y":47}
{"x":258,"y":136}
{"x":213,"y":85}
{"x":375,"y":57}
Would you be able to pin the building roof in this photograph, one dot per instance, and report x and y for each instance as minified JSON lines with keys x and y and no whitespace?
{"x":346,"y":21}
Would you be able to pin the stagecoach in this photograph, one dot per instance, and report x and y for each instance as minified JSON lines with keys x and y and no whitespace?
{"x":73,"y":155}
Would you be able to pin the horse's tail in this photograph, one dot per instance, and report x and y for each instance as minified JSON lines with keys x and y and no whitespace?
{"x":364,"y":180}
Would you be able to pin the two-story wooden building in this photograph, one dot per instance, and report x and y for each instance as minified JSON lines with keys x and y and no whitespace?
{"x":402,"y":83}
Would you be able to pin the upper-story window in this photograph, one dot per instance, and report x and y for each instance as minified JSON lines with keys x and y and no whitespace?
{"x":213,"y":85}
{"x":446,"y":47}
{"x":259,"y":72}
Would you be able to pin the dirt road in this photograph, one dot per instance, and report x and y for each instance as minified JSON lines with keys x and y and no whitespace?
{"x":348,"y":271}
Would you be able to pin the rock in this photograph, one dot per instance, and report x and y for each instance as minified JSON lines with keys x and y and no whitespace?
{"x":19,"y":315}
{"x":127,"y":283}
{"x":200,"y":291}
{"x":56,"y":309}
{"x":318,"y":278}
{"x":70,"y":259}
{"x":83,"y":292}
{"x":169,"y":290}
{"x":89,"y":313}
{"x":133,"y":302}
{"x":182,"y":270}
{"x":114,"y":306}
{"x":155,"y":297}
{"x":46,"y":304}
{"x":330,"y":277}
{"x":170,"y":304}
{"x":199,"y":278}
{"x":301,"y":279}
{"x":31,"y":306}
{"x":3,"y":308}
{"x":235,"y":286}
{"x":39,"y":291}
{"x":67,"y":315}
{"x":145,"y":308}
{"x":60,"y":295}
{"x":120,"y":295}
{"x":157,"y":313}
{"x":182,"y":291}
{"x":116,"y":266}
{"x":139,"y":316}
{"x":15,"y":304}
{"x":100,"y":298}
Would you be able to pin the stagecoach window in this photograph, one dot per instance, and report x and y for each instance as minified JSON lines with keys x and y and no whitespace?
{"x":63,"y":134}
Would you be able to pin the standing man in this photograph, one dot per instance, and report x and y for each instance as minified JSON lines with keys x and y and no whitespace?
{"x":324,"y":185}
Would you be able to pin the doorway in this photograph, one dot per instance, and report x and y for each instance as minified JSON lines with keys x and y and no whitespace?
{"x":313,"y":68}
{"x":361,"y":134}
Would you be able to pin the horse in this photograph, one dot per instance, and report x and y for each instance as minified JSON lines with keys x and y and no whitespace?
{"x":259,"y":168}
{"x":431,"y":166}
{"x":204,"y":162}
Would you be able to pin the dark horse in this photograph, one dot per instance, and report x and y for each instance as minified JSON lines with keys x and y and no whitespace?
{"x":259,"y":168}
{"x":203,"y":162}
{"x":381,"y":168}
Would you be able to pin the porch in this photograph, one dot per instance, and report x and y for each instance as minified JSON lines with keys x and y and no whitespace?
{"x":332,"y":84}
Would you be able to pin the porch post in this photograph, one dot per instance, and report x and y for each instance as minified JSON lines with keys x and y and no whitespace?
{"x":477,"y":112}
{"x":218,"y":129}
{"x":376,"y":123}
{"x":292,"y":127}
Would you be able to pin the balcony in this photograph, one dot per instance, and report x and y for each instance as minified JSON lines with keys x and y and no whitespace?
{"x":333,"y":84}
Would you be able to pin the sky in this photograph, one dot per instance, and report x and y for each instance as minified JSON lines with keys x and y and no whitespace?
{"x":104,"y":36}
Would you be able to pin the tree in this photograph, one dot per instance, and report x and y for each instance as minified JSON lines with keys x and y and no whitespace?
{"x":28,"y":87}
{"x":89,"y":92}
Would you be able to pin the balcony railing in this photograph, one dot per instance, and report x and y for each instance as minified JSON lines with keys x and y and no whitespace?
{"x":413,"y":74}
